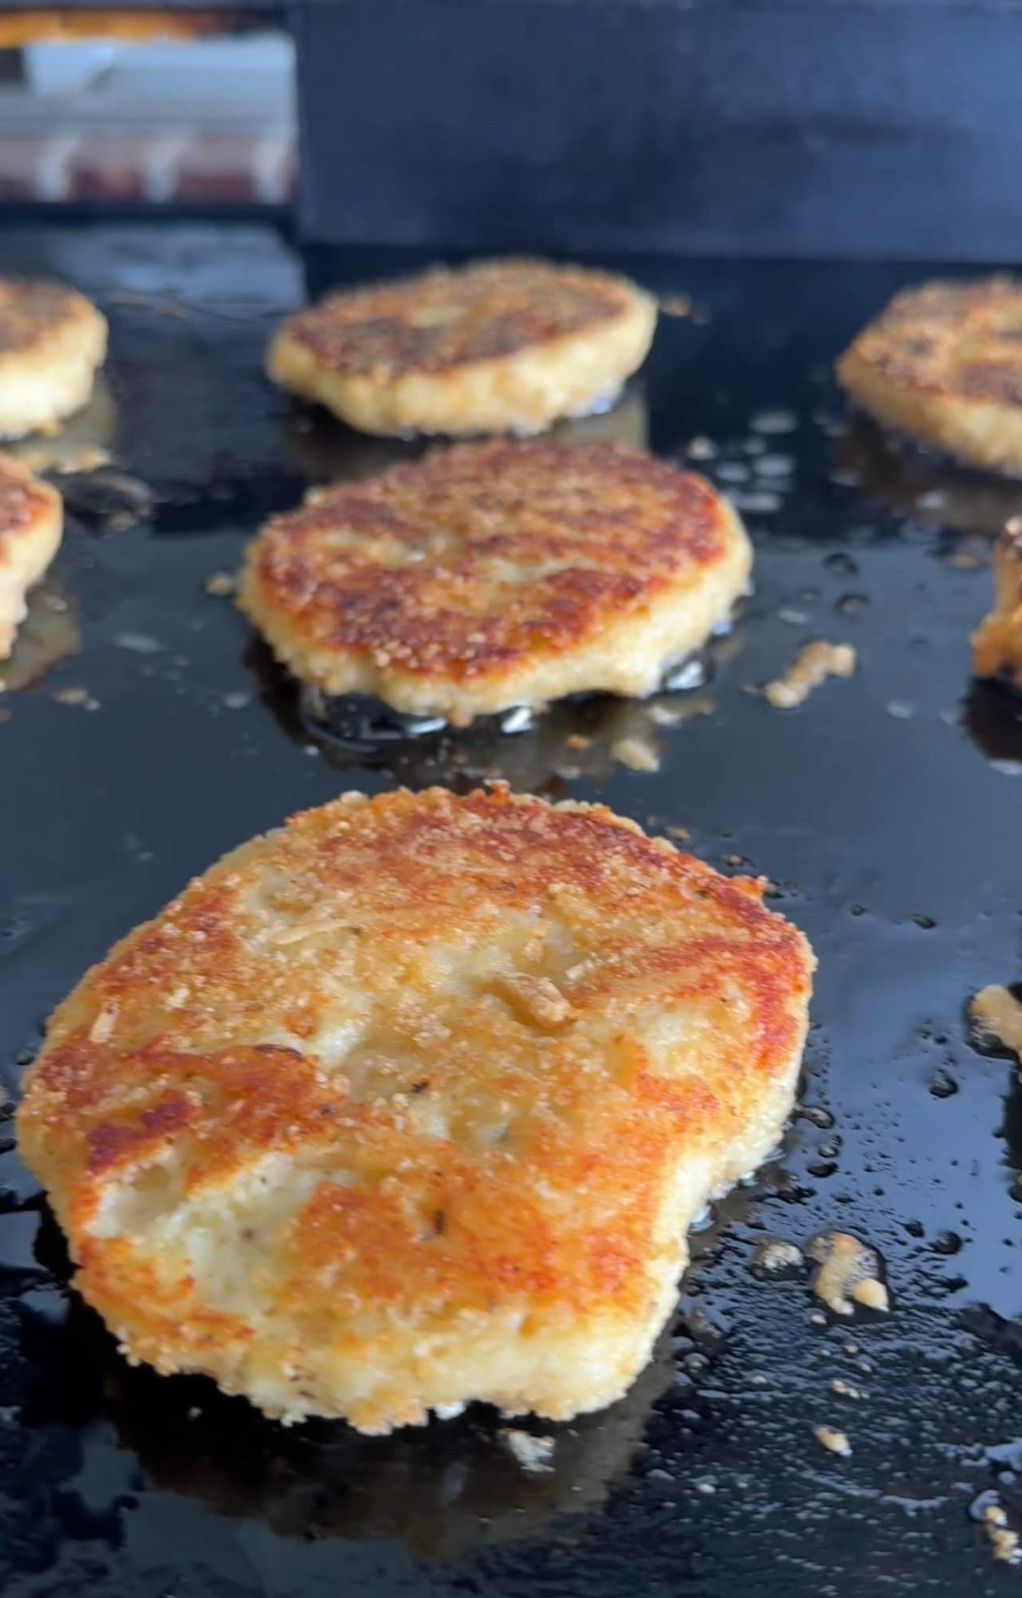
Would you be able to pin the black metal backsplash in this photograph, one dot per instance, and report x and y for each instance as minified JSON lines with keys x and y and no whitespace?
{"x":800,"y":128}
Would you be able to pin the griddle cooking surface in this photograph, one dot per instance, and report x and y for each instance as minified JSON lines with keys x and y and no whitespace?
{"x":886,"y":811}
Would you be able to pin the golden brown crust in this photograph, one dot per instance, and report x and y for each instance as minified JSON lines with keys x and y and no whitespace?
{"x":997,"y":642}
{"x":352,"y":1002}
{"x":453,"y":584}
{"x":31,"y":522}
{"x":943,"y":362}
{"x":444,"y":319}
{"x":496,"y":346}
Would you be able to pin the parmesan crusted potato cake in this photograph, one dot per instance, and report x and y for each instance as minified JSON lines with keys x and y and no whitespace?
{"x":997,"y":641}
{"x":497,"y":574}
{"x":495,"y":347}
{"x":943,"y":363}
{"x":412,"y":1103}
{"x":31,"y":524}
{"x":52,"y":341}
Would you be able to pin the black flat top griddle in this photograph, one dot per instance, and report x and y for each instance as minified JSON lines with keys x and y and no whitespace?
{"x":887,"y":812}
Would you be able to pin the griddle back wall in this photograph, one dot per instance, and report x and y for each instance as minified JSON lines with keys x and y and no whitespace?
{"x":814,"y":129}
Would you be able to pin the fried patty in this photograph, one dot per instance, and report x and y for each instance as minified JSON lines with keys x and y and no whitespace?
{"x":52,"y":340}
{"x":411,"y":1103}
{"x":31,"y":524}
{"x":499,"y":346}
{"x":997,"y":641}
{"x":491,"y":575}
{"x":943,"y":363}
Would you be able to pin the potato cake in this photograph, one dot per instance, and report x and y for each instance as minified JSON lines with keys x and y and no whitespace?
{"x":498,"y":574}
{"x":412,"y":1102}
{"x":52,"y":340}
{"x":493,"y":347}
{"x":31,"y":525}
{"x":943,"y":363}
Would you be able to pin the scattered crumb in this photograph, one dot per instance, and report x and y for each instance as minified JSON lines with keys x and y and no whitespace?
{"x":534,"y":1454}
{"x":681,"y":833}
{"x":775,"y":1254}
{"x":535,"y":999}
{"x":676,"y":305}
{"x":701,"y":449}
{"x":236,"y":701}
{"x":962,"y":561}
{"x":794,"y":618}
{"x":812,"y":665}
{"x":577,"y":741}
{"x":872,"y":1294}
{"x":835,"y":1442}
{"x":733,"y":860}
{"x":997,"y":1016}
{"x":221,"y":584}
{"x":1003,"y":1540}
{"x":844,"y":1389}
{"x":635,"y":753}
{"x":847,"y":1270}
{"x":75,"y":696}
{"x":817,"y":1318}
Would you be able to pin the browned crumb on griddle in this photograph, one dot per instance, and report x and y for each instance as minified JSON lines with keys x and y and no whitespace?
{"x":221,"y":584}
{"x":997,"y":641}
{"x":847,"y":1269}
{"x":676,"y":305}
{"x":834,"y":1442}
{"x":636,"y":753}
{"x":812,"y":666}
{"x":997,"y":1016}
{"x":1003,"y":1541}
{"x":776,"y":1254}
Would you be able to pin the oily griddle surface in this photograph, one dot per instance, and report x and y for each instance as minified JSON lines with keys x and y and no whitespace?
{"x":886,"y":811}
